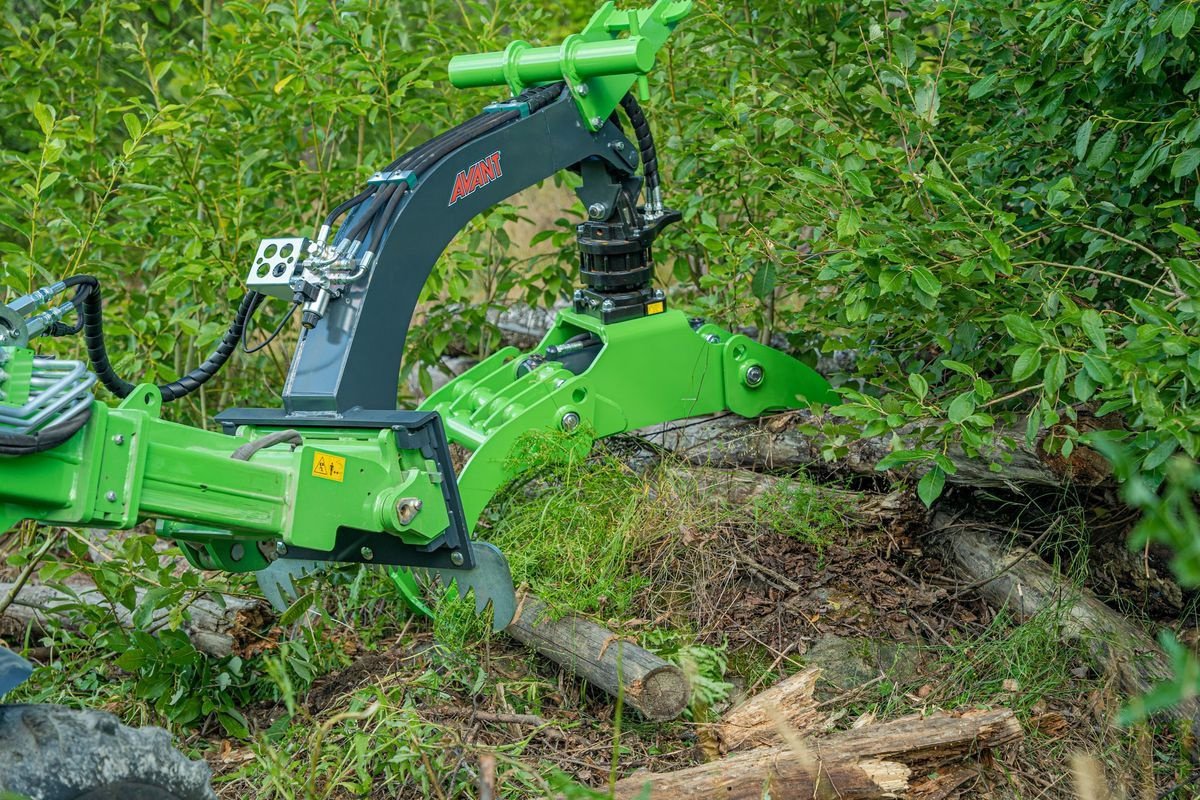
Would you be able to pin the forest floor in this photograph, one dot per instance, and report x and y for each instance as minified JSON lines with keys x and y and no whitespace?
{"x":350,"y":696}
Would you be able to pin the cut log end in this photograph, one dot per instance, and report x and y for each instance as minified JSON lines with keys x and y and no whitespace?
{"x":662,"y":693}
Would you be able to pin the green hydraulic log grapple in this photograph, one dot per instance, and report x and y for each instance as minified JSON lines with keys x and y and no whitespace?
{"x":338,"y":474}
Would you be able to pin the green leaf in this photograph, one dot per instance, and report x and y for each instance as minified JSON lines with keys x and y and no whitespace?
{"x":1159,"y":455}
{"x":1098,"y":369}
{"x":1027,"y":363}
{"x":926,"y":281}
{"x":1021,"y":328}
{"x":1093,"y":326}
{"x":1185,"y":18}
{"x":958,"y":366}
{"x":1186,"y":162}
{"x":860,"y":184}
{"x":983,"y":86}
{"x":927,"y":101}
{"x":929,"y":488}
{"x":132,"y":124}
{"x":1186,"y":271}
{"x":848,"y":222}
{"x":1083,"y":137}
{"x":763,"y":282}
{"x":891,"y":280}
{"x":1055,"y":372}
{"x":283,"y":82}
{"x":297,"y":609}
{"x":961,"y":407}
{"x":1102,"y":150}
{"x":904,"y":49}
{"x":45,"y":117}
{"x":918,"y":384}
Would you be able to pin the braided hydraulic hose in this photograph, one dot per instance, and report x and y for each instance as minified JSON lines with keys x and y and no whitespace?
{"x":91,"y":312}
{"x":645,"y":141}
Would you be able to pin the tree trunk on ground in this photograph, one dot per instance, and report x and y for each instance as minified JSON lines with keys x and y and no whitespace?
{"x":655,"y":688}
{"x":882,"y":760}
{"x":218,"y":629}
{"x":761,"y":720}
{"x":1026,"y":585}
{"x":777,"y":443}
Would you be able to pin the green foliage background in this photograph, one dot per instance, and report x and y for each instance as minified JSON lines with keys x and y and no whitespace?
{"x":994,"y":204}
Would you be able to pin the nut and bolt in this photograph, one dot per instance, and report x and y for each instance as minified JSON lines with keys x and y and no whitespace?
{"x":456,"y":558}
{"x":618,"y":146}
{"x":607,"y":305}
{"x":407,"y":509}
{"x":280,"y":549}
{"x":712,"y":338}
{"x":237,"y":552}
{"x":570,"y":421}
{"x":582,"y":89}
{"x":119,"y":440}
{"x":110,"y":496}
{"x":659,"y":294}
{"x":597,"y":210}
{"x":754,"y":376}
{"x":366,"y":553}
{"x":595,"y":121}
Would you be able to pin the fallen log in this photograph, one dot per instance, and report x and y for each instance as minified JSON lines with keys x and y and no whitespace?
{"x":881,"y":760}
{"x":657,"y":689}
{"x":761,"y":720}
{"x":216,"y":628}
{"x":1027,"y":586}
{"x":780,"y":444}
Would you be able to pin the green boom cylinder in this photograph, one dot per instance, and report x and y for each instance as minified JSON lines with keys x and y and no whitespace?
{"x":520,"y":63}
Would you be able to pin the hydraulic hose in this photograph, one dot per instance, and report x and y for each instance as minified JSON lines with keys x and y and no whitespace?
{"x":92,"y":314}
{"x":645,"y":140}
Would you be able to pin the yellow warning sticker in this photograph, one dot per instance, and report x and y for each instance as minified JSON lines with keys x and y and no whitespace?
{"x":329,"y":467}
{"x":655,"y":308}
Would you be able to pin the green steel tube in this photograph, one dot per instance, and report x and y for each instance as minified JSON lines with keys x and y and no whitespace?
{"x":530,"y":65}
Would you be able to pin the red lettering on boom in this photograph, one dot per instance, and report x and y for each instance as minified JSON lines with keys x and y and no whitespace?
{"x":481,"y":173}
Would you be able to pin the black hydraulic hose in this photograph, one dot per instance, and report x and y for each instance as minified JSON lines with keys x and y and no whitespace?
{"x":645,"y":139}
{"x":377,"y":217}
{"x":51,"y":436}
{"x":92,"y":312}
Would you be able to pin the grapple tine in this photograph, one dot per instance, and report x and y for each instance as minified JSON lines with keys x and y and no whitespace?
{"x":490,"y":580}
{"x":277,"y":581}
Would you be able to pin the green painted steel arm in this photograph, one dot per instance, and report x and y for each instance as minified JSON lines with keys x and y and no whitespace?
{"x":648,"y":371}
{"x":598,"y":64}
{"x":239,"y":501}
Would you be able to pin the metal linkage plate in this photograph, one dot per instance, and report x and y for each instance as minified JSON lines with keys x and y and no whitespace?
{"x":275,"y":264}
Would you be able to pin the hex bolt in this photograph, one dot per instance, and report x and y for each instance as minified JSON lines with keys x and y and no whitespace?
{"x":754,"y":376}
{"x":595,"y":122}
{"x":570,"y":421}
{"x":659,"y":294}
{"x":119,"y":439}
{"x":608,"y":305}
{"x":618,"y":146}
{"x":596,"y":210}
{"x":111,"y":496}
{"x":407,"y":509}
{"x":366,"y":553}
{"x":280,"y":549}
{"x":456,"y":558}
{"x":582,"y":89}
{"x":237,"y":552}
{"x":712,"y":338}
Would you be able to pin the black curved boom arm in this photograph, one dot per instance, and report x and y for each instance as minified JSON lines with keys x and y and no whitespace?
{"x":351,"y":357}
